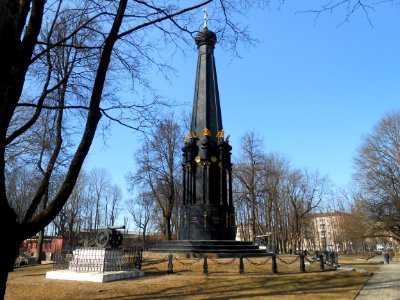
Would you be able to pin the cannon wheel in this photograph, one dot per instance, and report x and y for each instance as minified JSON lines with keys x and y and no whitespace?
{"x":89,"y":240}
{"x":116,"y":239}
{"x":102,"y":238}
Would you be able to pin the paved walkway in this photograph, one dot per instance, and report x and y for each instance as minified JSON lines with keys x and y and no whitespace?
{"x":383,"y":284}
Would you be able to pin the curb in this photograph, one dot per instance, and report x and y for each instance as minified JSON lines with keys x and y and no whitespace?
{"x":359,"y":291}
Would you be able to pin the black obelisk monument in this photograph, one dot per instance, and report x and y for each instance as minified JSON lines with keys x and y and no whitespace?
{"x":207,"y":211}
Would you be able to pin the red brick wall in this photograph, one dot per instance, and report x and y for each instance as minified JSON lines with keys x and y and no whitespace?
{"x":50,"y":244}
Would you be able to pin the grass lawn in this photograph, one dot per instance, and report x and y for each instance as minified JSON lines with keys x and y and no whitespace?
{"x":188,"y":282}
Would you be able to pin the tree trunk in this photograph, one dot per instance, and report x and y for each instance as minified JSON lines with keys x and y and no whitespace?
{"x":39,"y":247}
{"x":41,"y":232}
{"x":253,"y":216}
{"x":168,"y":232}
{"x":144,"y":239}
{"x":8,"y":254}
{"x":6,"y":266}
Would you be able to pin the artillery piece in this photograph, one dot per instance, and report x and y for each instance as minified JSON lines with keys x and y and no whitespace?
{"x":107,"y":236}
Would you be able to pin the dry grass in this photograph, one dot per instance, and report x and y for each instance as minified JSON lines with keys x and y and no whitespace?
{"x":188,"y":282}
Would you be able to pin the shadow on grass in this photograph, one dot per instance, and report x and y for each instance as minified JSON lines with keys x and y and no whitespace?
{"x":247,"y":286}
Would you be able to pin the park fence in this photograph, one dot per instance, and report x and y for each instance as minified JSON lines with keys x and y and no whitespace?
{"x":326,"y":260}
{"x":98,"y":259}
{"x":125,"y":259}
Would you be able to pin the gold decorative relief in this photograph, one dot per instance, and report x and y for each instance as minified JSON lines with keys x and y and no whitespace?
{"x":213,"y":159}
{"x":197,"y":159}
{"x":206,"y":132}
{"x":216,"y":220}
{"x":185,"y":140}
{"x":192,"y":135}
{"x":220,"y":134}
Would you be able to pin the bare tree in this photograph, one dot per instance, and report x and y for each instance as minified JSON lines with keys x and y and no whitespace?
{"x":142,"y":210}
{"x":21,"y":185}
{"x":114,"y":205}
{"x":346,"y":8}
{"x":71,"y":219}
{"x":248,"y":172}
{"x":275,"y":171}
{"x":99,"y":185}
{"x":159,"y":168}
{"x":356,"y":227}
{"x":86,"y":199}
{"x":271,"y":197}
{"x":378,"y":174}
{"x":303,"y":192}
{"x":108,"y":38}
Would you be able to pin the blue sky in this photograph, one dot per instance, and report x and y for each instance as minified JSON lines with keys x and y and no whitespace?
{"x":310,"y":90}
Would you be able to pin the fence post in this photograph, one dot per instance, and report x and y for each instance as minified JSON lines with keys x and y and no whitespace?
{"x":205,"y":266}
{"x":321,"y":262}
{"x":137,"y":261}
{"x":274,"y":264}
{"x":170,"y":265}
{"x":302,"y":264}
{"x":241,"y":265}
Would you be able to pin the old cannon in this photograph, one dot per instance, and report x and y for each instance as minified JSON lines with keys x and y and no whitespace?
{"x":108,"y":236}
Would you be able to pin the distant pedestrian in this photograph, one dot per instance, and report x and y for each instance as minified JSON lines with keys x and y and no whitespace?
{"x":387,"y":257}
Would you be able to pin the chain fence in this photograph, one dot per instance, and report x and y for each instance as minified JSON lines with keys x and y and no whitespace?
{"x":231,"y":261}
{"x":262,"y":263}
{"x":288,"y":262}
{"x":121,"y":259}
{"x":187,"y":263}
{"x":311,"y":260}
{"x":326,"y":260}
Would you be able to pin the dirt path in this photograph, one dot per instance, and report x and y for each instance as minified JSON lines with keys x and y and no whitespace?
{"x":384,"y":284}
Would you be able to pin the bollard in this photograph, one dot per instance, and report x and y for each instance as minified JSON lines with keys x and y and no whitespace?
{"x":321,"y":262}
{"x":205,"y":266}
{"x":332,"y":258}
{"x":302,"y":264}
{"x":241,"y":265}
{"x":337,"y":259}
{"x":274,"y":265}
{"x":170,"y":266}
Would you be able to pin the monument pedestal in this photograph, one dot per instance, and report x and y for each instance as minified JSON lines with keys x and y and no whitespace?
{"x":98,"y":265}
{"x":207,"y":222}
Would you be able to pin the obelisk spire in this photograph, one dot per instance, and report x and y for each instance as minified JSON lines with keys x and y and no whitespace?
{"x":207,"y":211}
{"x":206,"y":115}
